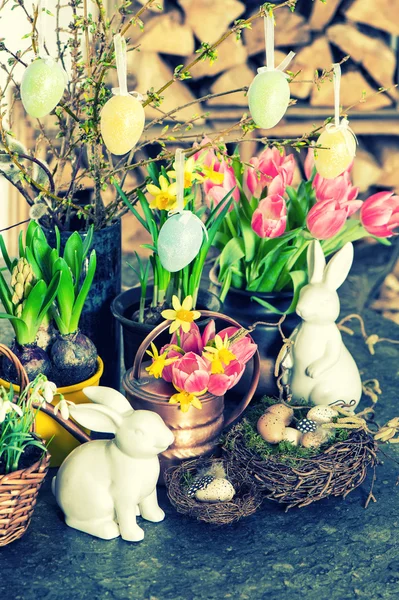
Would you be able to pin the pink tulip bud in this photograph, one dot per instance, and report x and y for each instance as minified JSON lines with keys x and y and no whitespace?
{"x":264,"y":169}
{"x":221,"y":382}
{"x":269,"y":220}
{"x":325,"y":219}
{"x":380,"y":214}
{"x":191,"y":373}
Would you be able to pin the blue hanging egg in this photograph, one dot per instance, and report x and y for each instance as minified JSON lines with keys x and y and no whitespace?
{"x":180,"y":240}
{"x":268,"y":98}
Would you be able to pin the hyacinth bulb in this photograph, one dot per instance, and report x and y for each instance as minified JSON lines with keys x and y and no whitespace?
{"x":268,"y":98}
{"x":42,"y":87}
{"x":122,"y":123}
{"x":179,"y":241}
{"x":336,"y":154}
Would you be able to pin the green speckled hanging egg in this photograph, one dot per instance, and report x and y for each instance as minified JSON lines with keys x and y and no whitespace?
{"x":268,"y":98}
{"x":42,"y":87}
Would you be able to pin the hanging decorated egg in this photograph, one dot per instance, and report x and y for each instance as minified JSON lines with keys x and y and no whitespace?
{"x":338,"y":148}
{"x":269,"y":93}
{"x":122,"y":123}
{"x":122,"y":118}
{"x":42,"y":87}
{"x":268,"y":98}
{"x":180,"y":240}
{"x":337,"y":142}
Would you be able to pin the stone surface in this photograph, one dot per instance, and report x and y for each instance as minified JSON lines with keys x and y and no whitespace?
{"x":333,"y":549}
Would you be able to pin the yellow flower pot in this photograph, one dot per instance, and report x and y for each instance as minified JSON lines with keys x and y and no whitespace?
{"x":62,"y":442}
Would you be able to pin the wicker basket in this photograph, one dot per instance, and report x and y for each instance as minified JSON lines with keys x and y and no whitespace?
{"x":336,"y":471}
{"x":18,"y":490}
{"x":246,"y":501}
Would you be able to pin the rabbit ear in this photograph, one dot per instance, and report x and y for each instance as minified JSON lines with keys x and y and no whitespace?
{"x":339,"y":266}
{"x":316,"y":262}
{"x":96,"y":418}
{"x":107,"y":396}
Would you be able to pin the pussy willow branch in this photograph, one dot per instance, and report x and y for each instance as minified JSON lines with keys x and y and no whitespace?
{"x":39,"y":163}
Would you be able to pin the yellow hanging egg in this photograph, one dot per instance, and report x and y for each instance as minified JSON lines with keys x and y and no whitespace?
{"x":268,"y":98}
{"x":42,"y":87}
{"x":122,"y":123}
{"x":336,"y":154}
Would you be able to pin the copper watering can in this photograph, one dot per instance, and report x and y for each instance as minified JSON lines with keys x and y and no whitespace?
{"x":197,"y":431}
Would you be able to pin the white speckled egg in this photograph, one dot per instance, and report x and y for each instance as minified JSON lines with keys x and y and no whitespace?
{"x":285,"y":413}
{"x":322,"y":414}
{"x":271,"y":428}
{"x":291,"y":435}
{"x":312,"y":439}
{"x":179,"y":241}
{"x":219,"y":490}
{"x":42,"y":87}
{"x":268,"y":98}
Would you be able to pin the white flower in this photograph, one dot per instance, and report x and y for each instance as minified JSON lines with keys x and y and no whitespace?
{"x":44,"y":391}
{"x":62,"y":406}
{"x":6,"y":407}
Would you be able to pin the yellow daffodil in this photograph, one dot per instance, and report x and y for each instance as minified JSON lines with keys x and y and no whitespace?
{"x":159,"y":362}
{"x":182,"y":315}
{"x":185,"y":399}
{"x":210,"y":173}
{"x":164,"y":196}
{"x":190,"y":174}
{"x":220,"y":355}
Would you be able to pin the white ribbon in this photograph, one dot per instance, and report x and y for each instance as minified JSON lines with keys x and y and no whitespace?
{"x":41,"y":26}
{"x":268,"y":21}
{"x":185,"y":214}
{"x":121,"y":69}
{"x":341,"y":125}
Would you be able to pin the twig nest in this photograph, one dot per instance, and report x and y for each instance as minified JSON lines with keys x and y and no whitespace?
{"x":283,"y":412}
{"x":219,"y":490}
{"x":271,"y":428}
{"x":322,"y":414}
{"x":291,"y":435}
{"x":306,"y":426}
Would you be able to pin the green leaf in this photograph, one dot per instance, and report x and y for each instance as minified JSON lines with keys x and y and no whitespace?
{"x":41,"y":252}
{"x":232,"y":253}
{"x":20,"y":328}
{"x":250,"y":239}
{"x":33,"y":303}
{"x":88,"y":241}
{"x":149,"y":216}
{"x":31,"y":233}
{"x":153,"y":172}
{"x":299,"y":279}
{"x":5,"y":255}
{"x":149,"y":247}
{"x":73,"y":255}
{"x":5,"y":295}
{"x":130,"y":206}
{"x":66,"y":292}
{"x":50,"y":296}
{"x":84,"y":290}
{"x":57,"y":240}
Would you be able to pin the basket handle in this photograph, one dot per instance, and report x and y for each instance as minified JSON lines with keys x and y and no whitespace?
{"x":209,"y":314}
{"x":22,"y":375}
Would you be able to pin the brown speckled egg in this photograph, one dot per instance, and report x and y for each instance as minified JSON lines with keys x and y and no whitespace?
{"x":322,"y":414}
{"x":271,"y":428}
{"x":219,"y":490}
{"x":312,"y":439}
{"x":283,"y":412}
{"x":291,"y":435}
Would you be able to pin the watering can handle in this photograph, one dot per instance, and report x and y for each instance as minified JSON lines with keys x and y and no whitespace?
{"x":204,"y":313}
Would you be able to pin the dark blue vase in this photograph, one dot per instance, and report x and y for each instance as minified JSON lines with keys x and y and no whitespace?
{"x":97,"y":321}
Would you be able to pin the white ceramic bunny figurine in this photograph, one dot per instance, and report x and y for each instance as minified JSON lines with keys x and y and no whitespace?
{"x":321,"y":369}
{"x":102,"y":485}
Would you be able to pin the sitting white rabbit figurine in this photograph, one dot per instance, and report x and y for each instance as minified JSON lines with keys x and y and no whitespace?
{"x":321,"y":369}
{"x":103,"y":484}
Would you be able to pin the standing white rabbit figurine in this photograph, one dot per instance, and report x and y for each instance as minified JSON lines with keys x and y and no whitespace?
{"x":321,"y":369}
{"x":103,"y":484}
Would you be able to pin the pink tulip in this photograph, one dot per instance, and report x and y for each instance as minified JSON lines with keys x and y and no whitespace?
{"x":270,"y":218}
{"x":309,"y":163}
{"x":191,"y":373}
{"x":192,"y":341}
{"x":340,"y":188}
{"x":380,"y":214}
{"x":326,"y":218}
{"x":209,"y":152}
{"x":243,"y":349}
{"x":216,"y":193}
{"x":221,"y":382}
{"x":265,"y":168}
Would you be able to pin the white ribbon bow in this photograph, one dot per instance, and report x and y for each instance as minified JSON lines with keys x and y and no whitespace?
{"x":121,"y":69}
{"x":268,"y":21}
